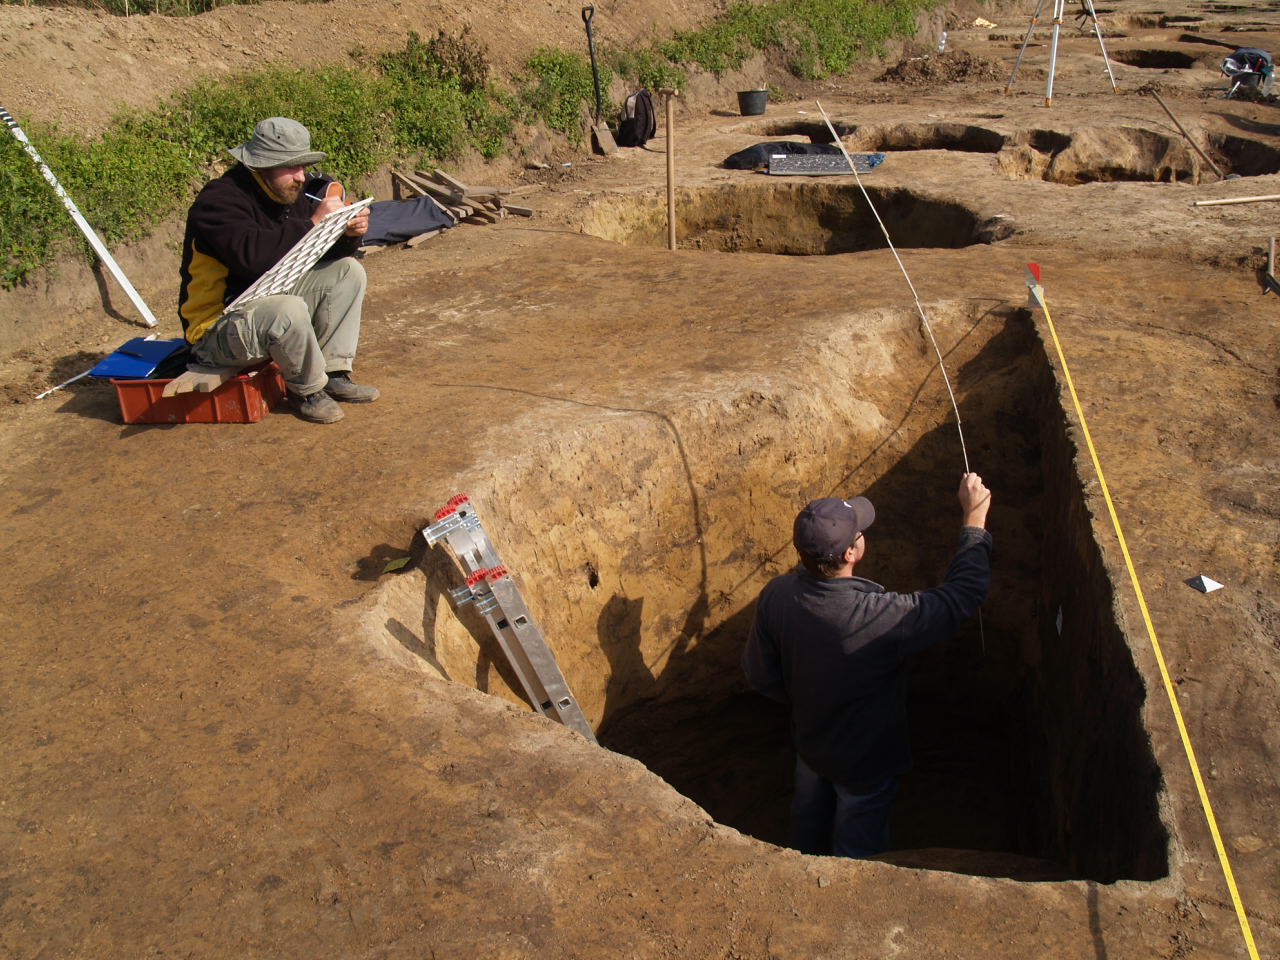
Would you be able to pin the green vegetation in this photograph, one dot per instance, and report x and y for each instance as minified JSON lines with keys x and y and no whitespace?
{"x":434,"y":99}
{"x":557,"y":85}
{"x":819,"y":37}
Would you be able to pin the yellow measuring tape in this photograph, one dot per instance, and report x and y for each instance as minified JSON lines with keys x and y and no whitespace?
{"x":1037,"y":291}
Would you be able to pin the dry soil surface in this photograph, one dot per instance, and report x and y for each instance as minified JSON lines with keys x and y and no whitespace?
{"x":230,"y":733}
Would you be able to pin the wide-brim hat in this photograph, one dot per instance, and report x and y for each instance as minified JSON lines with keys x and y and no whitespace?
{"x":277,"y":142}
{"x":825,"y":528}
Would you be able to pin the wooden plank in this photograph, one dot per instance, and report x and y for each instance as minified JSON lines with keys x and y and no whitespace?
{"x":414,"y":241}
{"x":201,"y":379}
{"x":482,"y":216}
{"x":431,"y":188}
{"x":517,"y":211}
{"x":403,"y":181}
{"x":441,"y":177}
{"x":485,"y":193}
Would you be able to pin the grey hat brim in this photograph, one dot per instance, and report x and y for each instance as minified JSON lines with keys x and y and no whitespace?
{"x":267,"y":159}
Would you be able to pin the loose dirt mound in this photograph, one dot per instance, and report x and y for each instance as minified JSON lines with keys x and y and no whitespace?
{"x":936,"y":69}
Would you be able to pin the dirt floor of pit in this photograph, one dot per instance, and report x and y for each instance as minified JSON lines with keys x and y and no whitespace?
{"x":221,"y":744}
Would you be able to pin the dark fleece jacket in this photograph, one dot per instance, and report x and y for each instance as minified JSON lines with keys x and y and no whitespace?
{"x":836,"y":651}
{"x":235,"y":233}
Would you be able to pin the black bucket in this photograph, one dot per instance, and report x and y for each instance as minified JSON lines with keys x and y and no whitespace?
{"x":751,"y":103}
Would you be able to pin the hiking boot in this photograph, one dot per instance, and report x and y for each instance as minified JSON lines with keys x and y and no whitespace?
{"x":340,"y":387}
{"x":317,"y":407}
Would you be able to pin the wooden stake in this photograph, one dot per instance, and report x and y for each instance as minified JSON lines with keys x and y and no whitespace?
{"x":1218,"y":203}
{"x":1183,"y":130}
{"x":671,"y":165}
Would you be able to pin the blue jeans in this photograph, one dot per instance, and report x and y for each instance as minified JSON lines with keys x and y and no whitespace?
{"x":828,"y":818}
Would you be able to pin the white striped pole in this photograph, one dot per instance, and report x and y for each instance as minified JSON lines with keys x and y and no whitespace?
{"x":94,"y":241}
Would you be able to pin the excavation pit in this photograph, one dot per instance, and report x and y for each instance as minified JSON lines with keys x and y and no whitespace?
{"x":1031,"y":759}
{"x":1155,"y":59}
{"x":1100,"y":155}
{"x":1245,"y":157}
{"x":792,"y":218}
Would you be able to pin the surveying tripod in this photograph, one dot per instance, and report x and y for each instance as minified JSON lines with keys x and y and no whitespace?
{"x":1087,"y":13}
{"x":490,"y":588}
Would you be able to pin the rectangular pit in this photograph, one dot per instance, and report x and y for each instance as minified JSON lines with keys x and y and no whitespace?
{"x":1031,"y":760}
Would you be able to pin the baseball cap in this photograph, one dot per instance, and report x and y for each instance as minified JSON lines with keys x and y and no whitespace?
{"x":825,"y":528}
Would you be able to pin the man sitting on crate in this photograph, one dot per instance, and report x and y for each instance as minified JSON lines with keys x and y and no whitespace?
{"x":240,"y":225}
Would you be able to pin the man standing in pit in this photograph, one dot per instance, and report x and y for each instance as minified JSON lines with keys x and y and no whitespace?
{"x":834,"y":646}
{"x":239,"y":227}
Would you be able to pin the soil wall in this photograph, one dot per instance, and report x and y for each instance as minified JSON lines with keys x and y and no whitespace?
{"x":1081,"y":694}
{"x":640,"y":538}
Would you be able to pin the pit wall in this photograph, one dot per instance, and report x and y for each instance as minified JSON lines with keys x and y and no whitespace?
{"x":636,"y":532}
{"x":796,"y":219}
{"x":38,"y":314}
{"x":641,"y":534}
{"x":1084,"y":752}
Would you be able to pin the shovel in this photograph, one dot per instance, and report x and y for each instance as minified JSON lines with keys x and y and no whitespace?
{"x":601,"y":135}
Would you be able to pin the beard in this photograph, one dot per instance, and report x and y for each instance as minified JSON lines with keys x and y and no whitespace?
{"x":289,"y":192}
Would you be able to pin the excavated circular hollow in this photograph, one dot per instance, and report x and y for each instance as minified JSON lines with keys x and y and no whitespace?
{"x":815,"y":131}
{"x":1155,"y":59}
{"x":1099,"y":155}
{"x":1245,"y":157}
{"x":962,"y":137}
{"x":798,"y":216}
{"x":1085,"y":155}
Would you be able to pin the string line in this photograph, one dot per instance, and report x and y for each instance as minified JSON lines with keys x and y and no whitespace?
{"x":924,"y":320}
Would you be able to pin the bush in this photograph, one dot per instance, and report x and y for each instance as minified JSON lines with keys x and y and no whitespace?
{"x":433,"y":98}
{"x":556,"y":87}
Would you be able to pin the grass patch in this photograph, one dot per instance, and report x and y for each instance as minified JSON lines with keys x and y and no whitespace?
{"x":818,"y":38}
{"x":555,"y":87}
{"x":432,"y":100}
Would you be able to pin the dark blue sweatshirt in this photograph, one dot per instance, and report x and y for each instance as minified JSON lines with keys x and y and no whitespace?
{"x":836,"y":651}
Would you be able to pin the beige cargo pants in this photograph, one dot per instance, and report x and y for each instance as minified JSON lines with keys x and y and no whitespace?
{"x":309,"y":333}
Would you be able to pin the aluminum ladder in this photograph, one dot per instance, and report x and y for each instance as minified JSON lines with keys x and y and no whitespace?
{"x":490,"y":587}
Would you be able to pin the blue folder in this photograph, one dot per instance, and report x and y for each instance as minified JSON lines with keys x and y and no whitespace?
{"x":137,"y":359}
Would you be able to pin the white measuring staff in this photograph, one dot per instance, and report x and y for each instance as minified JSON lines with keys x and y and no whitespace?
{"x":94,"y":241}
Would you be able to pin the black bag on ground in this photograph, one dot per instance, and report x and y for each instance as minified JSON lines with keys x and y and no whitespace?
{"x":638,"y":123}
{"x":757,"y":157}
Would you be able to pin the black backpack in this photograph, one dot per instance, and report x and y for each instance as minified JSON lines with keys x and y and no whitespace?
{"x":638,"y":121}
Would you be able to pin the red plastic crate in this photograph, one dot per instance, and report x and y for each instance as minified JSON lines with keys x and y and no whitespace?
{"x":246,"y":398}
